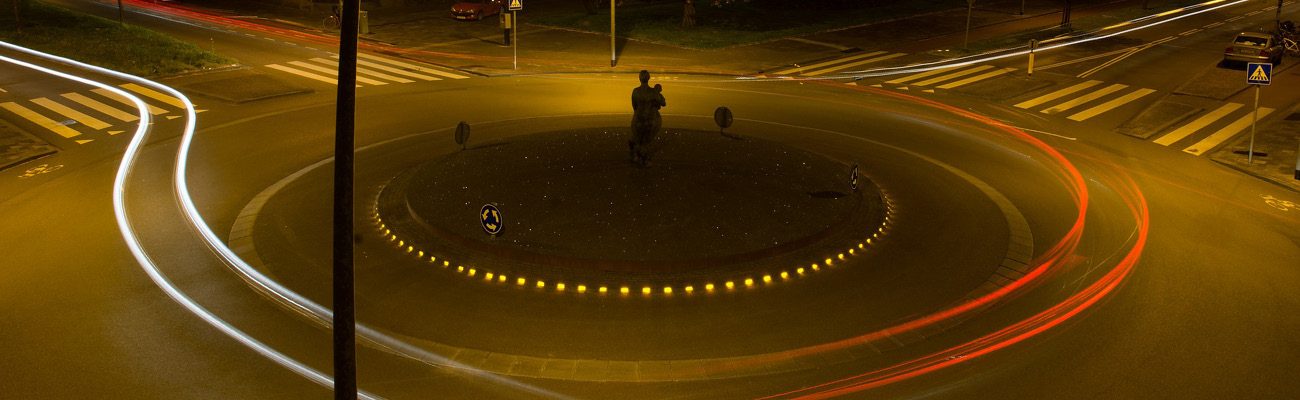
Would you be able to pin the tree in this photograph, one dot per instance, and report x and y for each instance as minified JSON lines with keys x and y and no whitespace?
{"x":688,"y":14}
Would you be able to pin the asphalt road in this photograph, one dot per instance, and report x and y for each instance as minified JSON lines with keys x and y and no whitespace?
{"x":1204,"y":313}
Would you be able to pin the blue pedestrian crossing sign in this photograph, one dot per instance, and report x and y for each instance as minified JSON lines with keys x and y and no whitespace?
{"x":490,"y":216}
{"x":516,"y":5}
{"x":1259,"y":73}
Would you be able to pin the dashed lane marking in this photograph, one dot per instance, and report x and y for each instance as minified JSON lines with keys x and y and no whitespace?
{"x":1099,"y":93}
{"x":1196,"y":125}
{"x":1226,"y":133}
{"x":101,"y":107}
{"x":39,"y":119}
{"x":69,"y":113}
{"x":1056,"y":95}
{"x":1110,"y":105}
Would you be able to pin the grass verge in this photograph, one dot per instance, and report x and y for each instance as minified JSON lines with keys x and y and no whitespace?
{"x":106,"y":43}
{"x":733,"y":25}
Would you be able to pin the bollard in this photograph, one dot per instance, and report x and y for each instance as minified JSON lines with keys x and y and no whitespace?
{"x":365,"y":23}
{"x":1033,"y":44}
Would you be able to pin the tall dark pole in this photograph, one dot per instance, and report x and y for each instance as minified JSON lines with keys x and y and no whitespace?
{"x":121,"y":13}
{"x":345,"y":356}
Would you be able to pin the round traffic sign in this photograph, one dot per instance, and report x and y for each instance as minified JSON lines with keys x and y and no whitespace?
{"x":723,"y":117}
{"x":462,"y":134}
{"x":490,"y":217}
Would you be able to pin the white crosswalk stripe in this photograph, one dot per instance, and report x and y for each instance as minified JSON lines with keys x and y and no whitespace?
{"x":76,"y":114}
{"x":975,"y":78}
{"x":40,"y":120}
{"x":1196,"y":125}
{"x":920,"y":75}
{"x":101,"y":107}
{"x":371,"y":70}
{"x":805,"y":68}
{"x":69,"y":113}
{"x":1078,"y":101}
{"x":855,"y":64}
{"x":1031,"y":103}
{"x":952,"y":75}
{"x":1110,"y":105}
{"x":153,"y":110}
{"x":1227,"y":132}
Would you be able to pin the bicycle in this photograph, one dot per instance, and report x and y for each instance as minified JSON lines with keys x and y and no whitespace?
{"x":1288,"y":33}
{"x":331,"y":22}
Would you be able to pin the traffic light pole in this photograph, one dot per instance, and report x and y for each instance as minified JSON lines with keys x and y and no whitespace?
{"x":345,"y":357}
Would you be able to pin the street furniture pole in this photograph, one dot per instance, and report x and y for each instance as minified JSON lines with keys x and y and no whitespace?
{"x":514,"y":33}
{"x":970,"y":5}
{"x":1033,"y":44}
{"x":1250,"y":153}
{"x":613,"y":53}
{"x":344,"y":324}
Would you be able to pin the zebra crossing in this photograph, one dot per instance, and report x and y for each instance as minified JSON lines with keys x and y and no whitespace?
{"x":951,"y":77}
{"x":1085,"y":100}
{"x":371,"y":70}
{"x":1212,"y":128}
{"x":81,"y":116}
{"x":846,"y":63}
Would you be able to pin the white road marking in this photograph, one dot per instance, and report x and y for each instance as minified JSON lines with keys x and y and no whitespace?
{"x":1213,"y":25}
{"x":69,"y":113}
{"x":1109,"y":105}
{"x":334,"y":72}
{"x":953,"y":75}
{"x":975,"y":78}
{"x":365,"y":71}
{"x":1196,"y":125}
{"x":1226,"y":133}
{"x":922,"y":75}
{"x":1056,"y":95}
{"x":854,"y":64}
{"x":103,"y":92}
{"x":101,"y":107}
{"x":1078,"y":101}
{"x":411,"y":66}
{"x":39,"y":119}
{"x":826,"y":63}
{"x":303,"y":74}
{"x":172,"y":101}
{"x":386,"y":68}
{"x":823,"y":44}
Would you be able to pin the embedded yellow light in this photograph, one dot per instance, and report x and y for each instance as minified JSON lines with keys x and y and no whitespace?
{"x":387,"y":232}
{"x":731,"y":285}
{"x":501,"y":278}
{"x":392,"y":238}
{"x":690,"y":289}
{"x":785,"y":275}
{"x":488,"y":276}
{"x":851,"y":251}
{"x":645,"y":290}
{"x":520,"y":281}
{"x":749,"y":281}
{"x":799,"y":271}
{"x":541,"y":284}
{"x":708,"y":286}
{"x":868,"y":240}
{"x":860,"y":245}
{"x":828,"y":262}
{"x":420,"y":254}
{"x":460,"y":269}
{"x":410,"y":249}
{"x":559,"y":287}
{"x":432,"y":258}
{"x":668,"y":290}
{"x":603,"y":289}
{"x":446,"y":263}
{"x":840,"y":256}
{"x":582,"y":288}
{"x":767,"y":278}
{"x":471,"y":272}
{"x":815,"y":267}
{"x":401,"y":243}
{"x":623,"y":290}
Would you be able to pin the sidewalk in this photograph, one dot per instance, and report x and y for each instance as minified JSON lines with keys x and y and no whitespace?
{"x":1276,"y":147}
{"x":17,"y":147}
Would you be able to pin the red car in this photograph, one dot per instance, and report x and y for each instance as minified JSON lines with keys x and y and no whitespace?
{"x":475,"y":9}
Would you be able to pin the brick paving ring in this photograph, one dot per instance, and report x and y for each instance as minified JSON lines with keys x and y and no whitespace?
{"x":712,"y":212}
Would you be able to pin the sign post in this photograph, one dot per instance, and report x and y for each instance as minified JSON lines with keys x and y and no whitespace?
{"x":1258,"y":74}
{"x":515,"y":6}
{"x":613,"y":53}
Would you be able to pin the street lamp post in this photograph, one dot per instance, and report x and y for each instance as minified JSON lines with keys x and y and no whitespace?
{"x":970,"y":5}
{"x":344,"y":324}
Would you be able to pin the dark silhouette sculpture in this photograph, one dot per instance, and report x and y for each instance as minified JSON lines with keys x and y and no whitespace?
{"x":646,"y":120}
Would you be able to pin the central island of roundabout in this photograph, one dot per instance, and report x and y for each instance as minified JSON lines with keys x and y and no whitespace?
{"x":729,"y":257}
